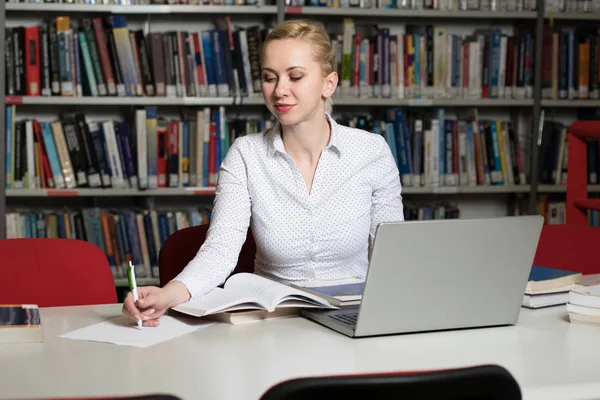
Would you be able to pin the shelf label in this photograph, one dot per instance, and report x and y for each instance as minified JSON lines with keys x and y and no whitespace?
{"x":61,"y":192}
{"x":14,"y":100}
{"x":293,"y":10}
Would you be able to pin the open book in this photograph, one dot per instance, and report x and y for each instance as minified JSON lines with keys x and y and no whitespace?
{"x":245,"y":291}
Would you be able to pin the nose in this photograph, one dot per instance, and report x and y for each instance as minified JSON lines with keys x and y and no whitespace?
{"x":281,"y":89}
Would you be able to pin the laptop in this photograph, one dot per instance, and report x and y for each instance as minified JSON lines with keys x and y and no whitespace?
{"x":439,"y":275}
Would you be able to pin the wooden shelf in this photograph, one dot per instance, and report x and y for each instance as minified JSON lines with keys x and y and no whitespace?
{"x":408,"y":14}
{"x":133,"y":101}
{"x":139,"y":9}
{"x":467,"y":189}
{"x":195,"y":191}
{"x":578,"y":16}
{"x":210,"y":191}
{"x":563,"y":188}
{"x":256,"y":100}
{"x":570,"y":103}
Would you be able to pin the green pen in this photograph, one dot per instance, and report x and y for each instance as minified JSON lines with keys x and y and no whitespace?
{"x":133,"y":288}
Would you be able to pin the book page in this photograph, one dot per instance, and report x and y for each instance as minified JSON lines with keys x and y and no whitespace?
{"x":218,"y":300}
{"x":270,"y":292}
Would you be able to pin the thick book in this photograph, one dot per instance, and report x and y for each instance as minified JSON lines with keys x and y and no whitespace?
{"x":548,"y":280}
{"x":545,"y":300}
{"x":20,"y":324}
{"x":246,"y":291}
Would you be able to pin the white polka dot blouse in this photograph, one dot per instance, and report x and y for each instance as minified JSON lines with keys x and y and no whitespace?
{"x":300,"y":236}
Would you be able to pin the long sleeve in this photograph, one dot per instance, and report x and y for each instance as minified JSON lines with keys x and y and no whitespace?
{"x":230,"y":219}
{"x":387,"y":190}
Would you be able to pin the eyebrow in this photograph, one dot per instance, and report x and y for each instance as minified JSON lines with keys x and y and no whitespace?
{"x":289,"y":69}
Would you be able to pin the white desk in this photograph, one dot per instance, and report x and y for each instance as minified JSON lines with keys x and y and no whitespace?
{"x":549,"y":357}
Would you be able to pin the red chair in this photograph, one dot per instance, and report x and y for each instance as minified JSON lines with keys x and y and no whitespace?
{"x":572,"y":246}
{"x":54,"y":272}
{"x":181,"y":247}
{"x":569,"y":247}
{"x":489,"y":382}
{"x":578,"y":202}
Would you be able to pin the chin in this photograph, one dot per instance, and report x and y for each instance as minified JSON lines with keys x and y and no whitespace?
{"x":287,"y":118}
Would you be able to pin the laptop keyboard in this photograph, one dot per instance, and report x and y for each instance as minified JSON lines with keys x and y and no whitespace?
{"x":346,"y":318}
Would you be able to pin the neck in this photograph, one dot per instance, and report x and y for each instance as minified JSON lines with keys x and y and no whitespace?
{"x":306,"y":140}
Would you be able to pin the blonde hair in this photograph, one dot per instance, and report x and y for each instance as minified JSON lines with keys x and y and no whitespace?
{"x":313,"y":33}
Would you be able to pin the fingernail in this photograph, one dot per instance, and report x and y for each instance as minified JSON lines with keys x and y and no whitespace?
{"x":140,"y":302}
{"x":146,"y":318}
{"x":151,"y":311}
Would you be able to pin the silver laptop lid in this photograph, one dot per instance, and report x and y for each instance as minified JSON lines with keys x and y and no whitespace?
{"x":447,"y":274}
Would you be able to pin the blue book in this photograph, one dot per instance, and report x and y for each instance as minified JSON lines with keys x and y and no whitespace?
{"x":349,"y":289}
{"x":340,"y":294}
{"x":551,"y":280}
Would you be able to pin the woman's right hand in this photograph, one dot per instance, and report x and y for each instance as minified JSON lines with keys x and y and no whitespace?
{"x":153,"y":302}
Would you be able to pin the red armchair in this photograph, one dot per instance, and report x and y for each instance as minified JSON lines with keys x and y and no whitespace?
{"x":578,"y":202}
{"x":572,"y":246}
{"x":54,"y":272}
{"x":182,"y":246}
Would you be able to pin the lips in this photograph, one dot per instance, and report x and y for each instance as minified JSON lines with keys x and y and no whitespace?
{"x":283,"y":107}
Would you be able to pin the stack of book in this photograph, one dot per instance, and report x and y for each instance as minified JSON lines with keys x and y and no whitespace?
{"x":20,"y":323}
{"x":584,"y":305}
{"x":550,"y":286}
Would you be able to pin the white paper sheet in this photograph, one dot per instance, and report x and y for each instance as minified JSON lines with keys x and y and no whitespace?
{"x":123,"y":332}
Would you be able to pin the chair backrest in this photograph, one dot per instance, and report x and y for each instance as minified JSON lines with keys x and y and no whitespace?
{"x":181,"y":247}
{"x":570,"y":247}
{"x":54,"y":272}
{"x":489,"y":382}
{"x":577,"y":200}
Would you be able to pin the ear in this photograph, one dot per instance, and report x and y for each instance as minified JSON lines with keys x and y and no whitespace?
{"x":330,"y":84}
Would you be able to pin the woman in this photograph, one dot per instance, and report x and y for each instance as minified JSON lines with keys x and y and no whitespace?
{"x":313,"y":191}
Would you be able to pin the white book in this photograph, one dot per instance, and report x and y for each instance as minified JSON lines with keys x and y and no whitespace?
{"x":400,"y":66}
{"x":347,"y":45}
{"x":63,"y":155}
{"x":246,"y":61}
{"x":141,"y":148}
{"x":440,"y":49}
{"x":117,"y":179}
{"x":365,"y":62}
{"x":502,"y":67}
{"x":428,"y":158}
{"x":246,"y":291}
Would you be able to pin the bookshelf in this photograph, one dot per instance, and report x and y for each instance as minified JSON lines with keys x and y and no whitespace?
{"x":151,"y":15}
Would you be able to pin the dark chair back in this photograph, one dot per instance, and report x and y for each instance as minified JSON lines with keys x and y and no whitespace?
{"x":181,"y":247}
{"x":486,"y":382}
